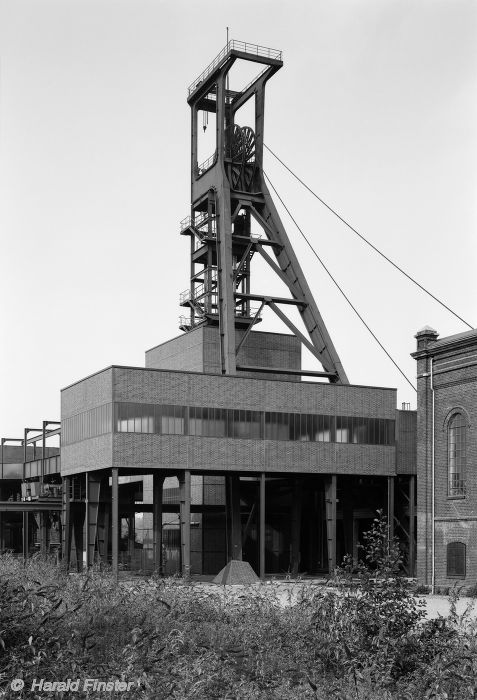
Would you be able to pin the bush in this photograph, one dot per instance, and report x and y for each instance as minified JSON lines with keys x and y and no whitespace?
{"x":364,"y":636}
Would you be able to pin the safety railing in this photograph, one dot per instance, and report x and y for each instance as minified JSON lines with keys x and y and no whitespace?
{"x":233,"y":44}
{"x":184,"y":296}
{"x":185,"y":322}
{"x":207,"y":164}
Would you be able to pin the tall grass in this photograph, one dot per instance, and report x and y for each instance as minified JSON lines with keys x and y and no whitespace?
{"x":362,"y":637}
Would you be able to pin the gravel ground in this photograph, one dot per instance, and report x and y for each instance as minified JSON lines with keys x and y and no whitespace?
{"x":289,"y":592}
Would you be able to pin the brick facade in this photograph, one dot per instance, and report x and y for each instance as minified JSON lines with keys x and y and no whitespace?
{"x":178,"y":452}
{"x":447,"y":385}
{"x":199,"y":351}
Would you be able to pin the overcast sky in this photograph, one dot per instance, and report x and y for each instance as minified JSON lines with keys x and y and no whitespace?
{"x":375,"y":108}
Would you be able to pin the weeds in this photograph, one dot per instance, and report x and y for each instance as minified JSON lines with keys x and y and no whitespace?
{"x":362,"y":637}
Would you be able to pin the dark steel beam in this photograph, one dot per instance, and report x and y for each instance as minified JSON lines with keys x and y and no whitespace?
{"x":276,"y":269}
{"x":251,"y":325}
{"x":262,"y":525}
{"x":390,"y":509}
{"x":270,"y":300}
{"x":284,"y":370}
{"x":331,"y":501}
{"x":157,"y":486}
{"x":314,"y":351}
{"x":53,"y":504}
{"x":115,"y":522}
{"x":257,"y":241}
{"x":243,"y":97}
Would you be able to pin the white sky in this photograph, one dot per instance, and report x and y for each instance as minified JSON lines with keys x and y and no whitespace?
{"x":375,"y":108}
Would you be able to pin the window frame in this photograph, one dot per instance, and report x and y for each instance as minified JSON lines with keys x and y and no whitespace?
{"x":456,"y":455}
{"x":463,"y":553}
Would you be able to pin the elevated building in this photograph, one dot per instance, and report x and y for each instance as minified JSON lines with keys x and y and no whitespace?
{"x":222,"y":447}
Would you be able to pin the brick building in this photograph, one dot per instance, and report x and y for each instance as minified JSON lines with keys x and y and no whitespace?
{"x":447,"y":453}
{"x":221,"y":448}
{"x":319,"y":458}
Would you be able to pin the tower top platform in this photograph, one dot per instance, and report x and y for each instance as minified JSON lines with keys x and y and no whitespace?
{"x":239,"y":49}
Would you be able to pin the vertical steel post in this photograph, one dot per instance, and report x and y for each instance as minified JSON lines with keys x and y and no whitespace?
{"x":2,"y":536}
{"x":115,"y":522}
{"x":66,"y":524}
{"x":157,"y":485}
{"x":262,"y":525}
{"x":234,"y":516}
{"x":185,"y":495}
{"x":295,"y":525}
{"x":391,"y":508}
{"x":86,"y":521}
{"x":25,"y":514}
{"x":330,"y":498}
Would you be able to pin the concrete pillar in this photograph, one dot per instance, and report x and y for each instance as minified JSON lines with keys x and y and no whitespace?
{"x":185,"y":495}
{"x":330,"y":502}
{"x":262,"y":525}
{"x":157,"y":485}
{"x":115,"y":522}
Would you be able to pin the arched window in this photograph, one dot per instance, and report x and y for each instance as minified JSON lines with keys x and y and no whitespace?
{"x":456,"y":452}
{"x":456,"y":560}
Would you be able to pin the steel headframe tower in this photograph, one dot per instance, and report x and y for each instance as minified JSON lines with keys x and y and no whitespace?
{"x":227,"y":191}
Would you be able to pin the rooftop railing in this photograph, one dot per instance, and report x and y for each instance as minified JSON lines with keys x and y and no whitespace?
{"x":232,"y":45}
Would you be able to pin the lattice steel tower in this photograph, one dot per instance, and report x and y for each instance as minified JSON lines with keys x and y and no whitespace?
{"x":227,"y":191}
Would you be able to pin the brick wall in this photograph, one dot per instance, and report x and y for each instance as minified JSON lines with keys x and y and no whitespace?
{"x":199,"y":351}
{"x":187,"y":388}
{"x":179,"y":452}
{"x":406,"y":442}
{"x":454,"y":370}
{"x":217,"y":454}
{"x":90,"y":392}
{"x":87,"y":455}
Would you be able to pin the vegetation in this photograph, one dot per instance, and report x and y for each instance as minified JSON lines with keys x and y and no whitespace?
{"x":362,"y":637}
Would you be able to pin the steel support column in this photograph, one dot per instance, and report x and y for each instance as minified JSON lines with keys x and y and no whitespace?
{"x":262,"y":525}
{"x":295,"y":534}
{"x":391,"y":508}
{"x":66,"y":523}
{"x":157,"y":485}
{"x":234,"y":516}
{"x":115,"y":522}
{"x":348,"y":520}
{"x":93,"y":491}
{"x":25,"y":538}
{"x":185,"y":495}
{"x":330,"y":500}
{"x":44,"y":519}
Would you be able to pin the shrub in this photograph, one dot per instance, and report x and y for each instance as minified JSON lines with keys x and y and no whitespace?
{"x":363,"y":636}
